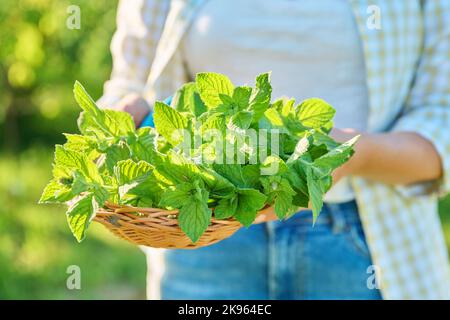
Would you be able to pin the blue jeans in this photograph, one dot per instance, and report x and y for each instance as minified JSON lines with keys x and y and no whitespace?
{"x":278,"y":260}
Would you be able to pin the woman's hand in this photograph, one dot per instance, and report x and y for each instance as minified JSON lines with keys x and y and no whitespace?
{"x":395,"y":158}
{"x":135,"y":105}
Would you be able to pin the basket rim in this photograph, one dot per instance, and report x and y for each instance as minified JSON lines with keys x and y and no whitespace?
{"x":110,"y":208}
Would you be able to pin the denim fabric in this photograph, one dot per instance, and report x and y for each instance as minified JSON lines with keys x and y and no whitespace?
{"x":278,"y":260}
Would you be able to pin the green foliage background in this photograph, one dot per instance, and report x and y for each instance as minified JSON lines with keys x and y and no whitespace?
{"x":40,"y":58}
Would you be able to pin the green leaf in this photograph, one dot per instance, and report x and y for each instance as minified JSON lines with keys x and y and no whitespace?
{"x":241,"y":96}
{"x":241,"y":176}
{"x":176,"y":196}
{"x":79,"y":183}
{"x":146,"y":193}
{"x":211,"y":85}
{"x":288,"y":108}
{"x":250,"y":201}
{"x":143,"y":145}
{"x":273,"y":165}
{"x":315,"y":113}
{"x":274,"y":118}
{"x":66,"y":161}
{"x":217,"y":185}
{"x":260,"y":97}
{"x":187,"y":99}
{"x":177,"y":169}
{"x":226,"y":207}
{"x":194,"y":215}
{"x":80,"y":214}
{"x":169,"y":123}
{"x":56,"y":192}
{"x":89,"y":128}
{"x":110,"y":123}
{"x":85,"y":101}
{"x":114,"y":154}
{"x":337,"y":156}
{"x":301,"y":148}
{"x":242,"y":119}
{"x":213,"y":121}
{"x":79,"y":143}
{"x":297,"y":177}
{"x":315,"y":192}
{"x":119,"y":122}
{"x":129,"y":171}
{"x":323,"y":139}
{"x":279,"y":192}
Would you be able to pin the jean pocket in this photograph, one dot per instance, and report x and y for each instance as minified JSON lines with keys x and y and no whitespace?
{"x":358,"y":240}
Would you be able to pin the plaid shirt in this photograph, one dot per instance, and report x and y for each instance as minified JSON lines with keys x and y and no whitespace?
{"x":408,"y":77}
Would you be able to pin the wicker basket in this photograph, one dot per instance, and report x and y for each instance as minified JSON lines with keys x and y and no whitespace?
{"x":158,"y":228}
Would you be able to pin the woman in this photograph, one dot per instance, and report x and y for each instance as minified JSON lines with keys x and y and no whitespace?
{"x":390,"y":84}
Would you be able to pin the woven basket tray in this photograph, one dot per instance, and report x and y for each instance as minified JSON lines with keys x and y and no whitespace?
{"x":158,"y":228}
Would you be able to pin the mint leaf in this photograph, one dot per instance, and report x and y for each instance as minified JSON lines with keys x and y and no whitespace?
{"x":129,"y":171}
{"x":315,"y":192}
{"x":80,"y":214}
{"x":315,"y":113}
{"x":301,"y":148}
{"x":177,"y":169}
{"x":250,"y":201}
{"x":273,"y":165}
{"x":241,"y":97}
{"x":260,"y":97}
{"x":114,"y":154}
{"x":169,"y":123}
{"x":226,"y":208}
{"x":274,"y":118}
{"x":109,"y":122}
{"x":280,"y":193}
{"x":79,"y":143}
{"x":143,"y":145}
{"x":66,"y":161}
{"x":175,"y":196}
{"x":216,"y":121}
{"x":243,"y":205}
{"x":211,"y":85}
{"x":337,"y":156}
{"x":241,"y":176}
{"x":242,"y":119}
{"x":194,"y":215}
{"x":56,"y":192}
{"x":187,"y":99}
{"x":217,"y":185}
{"x":146,"y":193}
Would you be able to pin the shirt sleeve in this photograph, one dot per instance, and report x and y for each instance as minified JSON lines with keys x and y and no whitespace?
{"x":139,"y":27}
{"x":427,"y":110}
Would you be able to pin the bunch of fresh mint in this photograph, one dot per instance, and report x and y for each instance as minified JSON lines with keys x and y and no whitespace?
{"x":217,"y":150}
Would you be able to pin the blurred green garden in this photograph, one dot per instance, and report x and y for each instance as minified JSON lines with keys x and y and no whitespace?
{"x":40,"y":58}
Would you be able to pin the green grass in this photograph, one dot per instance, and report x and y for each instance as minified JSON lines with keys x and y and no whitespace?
{"x":36,"y":246}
